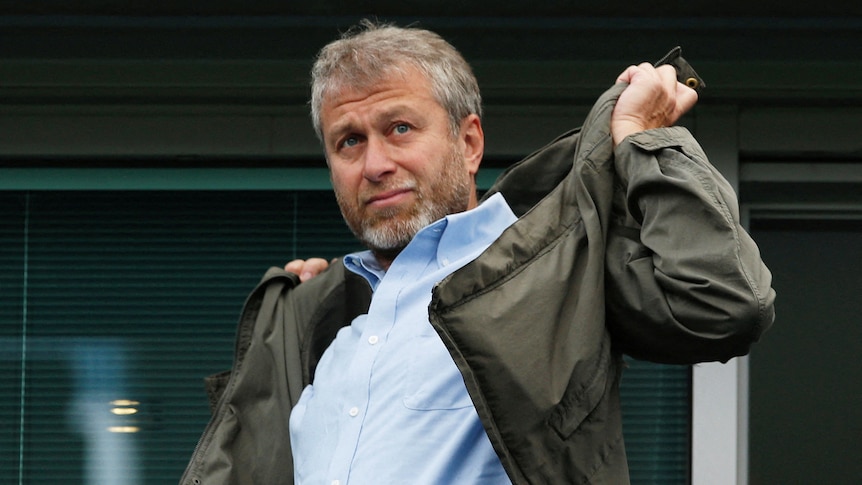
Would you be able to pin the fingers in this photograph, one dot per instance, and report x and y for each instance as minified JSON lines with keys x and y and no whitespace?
{"x":306,"y":268}
{"x":686,"y":98}
{"x":627,"y":75}
{"x":664,"y":74}
{"x":654,"y":98}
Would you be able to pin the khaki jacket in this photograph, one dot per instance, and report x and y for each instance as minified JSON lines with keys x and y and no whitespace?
{"x":636,"y":249}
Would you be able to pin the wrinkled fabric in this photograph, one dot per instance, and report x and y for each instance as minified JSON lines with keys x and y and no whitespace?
{"x":631,"y":249}
{"x":406,"y":396}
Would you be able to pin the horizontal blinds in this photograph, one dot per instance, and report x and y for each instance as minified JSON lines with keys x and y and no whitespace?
{"x":656,"y":405}
{"x":132,"y":298}
{"x":116,"y":304}
{"x":12,"y":280}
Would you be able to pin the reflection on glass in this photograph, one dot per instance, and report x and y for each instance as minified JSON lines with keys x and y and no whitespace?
{"x":109,"y":438}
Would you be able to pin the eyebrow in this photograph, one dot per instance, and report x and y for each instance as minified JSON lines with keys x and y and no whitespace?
{"x":340,"y":128}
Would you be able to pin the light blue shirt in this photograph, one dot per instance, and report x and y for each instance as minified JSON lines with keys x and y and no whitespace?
{"x":388,"y":405}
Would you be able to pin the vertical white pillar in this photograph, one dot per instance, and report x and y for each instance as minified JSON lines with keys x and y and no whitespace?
{"x":720,"y":391}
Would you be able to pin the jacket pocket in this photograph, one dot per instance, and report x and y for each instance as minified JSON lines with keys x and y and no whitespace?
{"x":587,"y":387}
{"x":215,"y":386}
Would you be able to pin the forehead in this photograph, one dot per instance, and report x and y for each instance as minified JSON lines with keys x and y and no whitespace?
{"x":400,"y":87}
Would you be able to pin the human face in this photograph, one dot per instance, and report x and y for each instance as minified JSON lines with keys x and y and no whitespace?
{"x":395,"y":165}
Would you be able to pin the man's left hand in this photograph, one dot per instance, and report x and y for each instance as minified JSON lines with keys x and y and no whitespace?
{"x":653,"y":99}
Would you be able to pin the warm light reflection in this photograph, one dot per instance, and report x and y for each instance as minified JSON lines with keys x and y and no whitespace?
{"x":124,"y":411}
{"x":123,"y":429}
{"x":124,"y":402}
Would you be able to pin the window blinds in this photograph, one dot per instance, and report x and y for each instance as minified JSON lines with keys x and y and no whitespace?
{"x":115,"y":304}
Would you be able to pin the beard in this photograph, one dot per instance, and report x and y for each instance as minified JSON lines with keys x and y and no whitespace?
{"x":387,"y":232}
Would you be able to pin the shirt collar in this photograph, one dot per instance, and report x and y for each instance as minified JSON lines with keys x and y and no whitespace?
{"x":459,"y":234}
{"x":365,"y":264}
{"x":465,"y":232}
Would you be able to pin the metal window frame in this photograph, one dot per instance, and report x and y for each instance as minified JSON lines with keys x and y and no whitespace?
{"x":720,"y":392}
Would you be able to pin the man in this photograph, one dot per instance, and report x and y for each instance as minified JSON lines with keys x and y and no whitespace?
{"x":481,"y":342}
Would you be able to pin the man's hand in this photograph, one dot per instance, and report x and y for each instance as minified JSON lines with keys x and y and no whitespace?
{"x":306,"y":268}
{"x":653,"y":99}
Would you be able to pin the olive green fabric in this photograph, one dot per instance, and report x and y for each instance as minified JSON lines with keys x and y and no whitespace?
{"x":526,"y":321}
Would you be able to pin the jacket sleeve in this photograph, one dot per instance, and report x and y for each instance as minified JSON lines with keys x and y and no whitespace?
{"x":685,"y":282}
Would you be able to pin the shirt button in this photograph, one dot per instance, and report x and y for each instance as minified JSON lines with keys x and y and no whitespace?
{"x":445,"y":261}
{"x":336,"y":482}
{"x":354,"y":411}
{"x":373,"y":339}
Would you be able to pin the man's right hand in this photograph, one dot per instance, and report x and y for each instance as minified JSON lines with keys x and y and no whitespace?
{"x":306,"y":268}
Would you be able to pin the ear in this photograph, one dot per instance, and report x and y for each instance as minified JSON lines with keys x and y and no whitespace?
{"x":473,"y":141}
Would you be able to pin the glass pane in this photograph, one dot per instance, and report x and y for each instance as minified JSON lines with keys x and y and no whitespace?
{"x":656,"y":402}
{"x":806,"y":393}
{"x":132,"y":297}
{"x":12,"y":277}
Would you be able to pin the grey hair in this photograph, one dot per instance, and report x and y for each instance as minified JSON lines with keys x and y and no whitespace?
{"x":369,"y":52}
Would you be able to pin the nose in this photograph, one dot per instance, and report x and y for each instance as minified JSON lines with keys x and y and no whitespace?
{"x":378,"y":160}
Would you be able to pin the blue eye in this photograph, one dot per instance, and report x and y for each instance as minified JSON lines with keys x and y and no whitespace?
{"x":401,"y":129}
{"x":350,"y":141}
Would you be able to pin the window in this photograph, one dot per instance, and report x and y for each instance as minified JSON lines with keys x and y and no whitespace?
{"x":115,"y":304}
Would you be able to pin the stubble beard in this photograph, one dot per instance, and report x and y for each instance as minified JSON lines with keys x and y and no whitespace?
{"x":389,"y":231}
